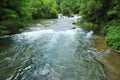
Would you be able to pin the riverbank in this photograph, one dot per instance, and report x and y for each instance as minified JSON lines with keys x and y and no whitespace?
{"x":110,"y":60}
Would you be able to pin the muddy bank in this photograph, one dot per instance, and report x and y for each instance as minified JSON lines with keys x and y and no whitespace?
{"x":110,"y":60}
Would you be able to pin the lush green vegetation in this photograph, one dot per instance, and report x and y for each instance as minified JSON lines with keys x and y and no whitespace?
{"x":44,"y":9}
{"x":68,"y":7}
{"x":103,"y":17}
{"x":15,"y":14}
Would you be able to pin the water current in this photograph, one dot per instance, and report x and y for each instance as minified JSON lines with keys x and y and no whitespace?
{"x":50,"y":50}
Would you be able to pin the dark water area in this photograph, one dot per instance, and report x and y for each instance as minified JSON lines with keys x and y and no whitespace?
{"x":50,"y":50}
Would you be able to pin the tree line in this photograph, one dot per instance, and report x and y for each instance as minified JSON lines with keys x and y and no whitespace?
{"x":16,"y":14}
{"x":103,"y":17}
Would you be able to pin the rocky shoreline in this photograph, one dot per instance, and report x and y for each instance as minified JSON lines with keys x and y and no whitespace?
{"x":109,"y":58}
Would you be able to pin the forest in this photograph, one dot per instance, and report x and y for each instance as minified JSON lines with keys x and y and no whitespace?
{"x":101,"y":16}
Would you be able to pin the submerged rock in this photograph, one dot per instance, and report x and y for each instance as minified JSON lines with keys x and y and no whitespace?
{"x":117,"y":51}
{"x":73,"y":28}
{"x":73,"y":23}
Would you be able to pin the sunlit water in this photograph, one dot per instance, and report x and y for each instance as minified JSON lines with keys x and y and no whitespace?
{"x":50,"y":50}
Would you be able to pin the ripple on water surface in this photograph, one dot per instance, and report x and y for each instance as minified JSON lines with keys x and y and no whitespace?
{"x":51,"y":55}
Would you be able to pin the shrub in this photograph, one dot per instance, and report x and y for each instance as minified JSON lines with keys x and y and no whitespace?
{"x":88,"y":25}
{"x":106,"y":26}
{"x":11,"y":26}
{"x":113,"y":37}
{"x":3,"y":30}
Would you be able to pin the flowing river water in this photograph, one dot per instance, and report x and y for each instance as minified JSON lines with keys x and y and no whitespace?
{"x":50,"y":50}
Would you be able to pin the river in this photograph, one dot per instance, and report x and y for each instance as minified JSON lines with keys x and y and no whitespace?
{"x":50,"y":50}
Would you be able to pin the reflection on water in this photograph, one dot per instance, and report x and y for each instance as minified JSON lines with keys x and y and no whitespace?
{"x":55,"y":53}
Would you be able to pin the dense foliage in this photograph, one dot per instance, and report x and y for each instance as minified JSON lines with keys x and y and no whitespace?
{"x":103,"y":17}
{"x":68,"y":7}
{"x":44,"y":9}
{"x":15,"y":14}
{"x":113,"y":37}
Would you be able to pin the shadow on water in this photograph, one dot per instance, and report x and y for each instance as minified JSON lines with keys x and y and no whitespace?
{"x":5,"y":42}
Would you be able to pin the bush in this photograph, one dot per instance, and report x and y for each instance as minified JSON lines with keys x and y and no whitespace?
{"x":106,"y":26}
{"x":11,"y":26}
{"x":3,"y":30}
{"x":65,"y":8}
{"x":113,"y":37}
{"x":53,"y":13}
{"x":66,"y":11}
{"x":88,"y":25}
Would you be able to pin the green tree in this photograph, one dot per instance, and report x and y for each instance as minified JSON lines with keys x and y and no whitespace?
{"x":44,"y":9}
{"x":100,"y":16}
{"x":68,"y":7}
{"x":16,"y":14}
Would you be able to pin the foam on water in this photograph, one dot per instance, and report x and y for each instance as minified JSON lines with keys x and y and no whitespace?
{"x":89,"y":34}
{"x":52,"y":54}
